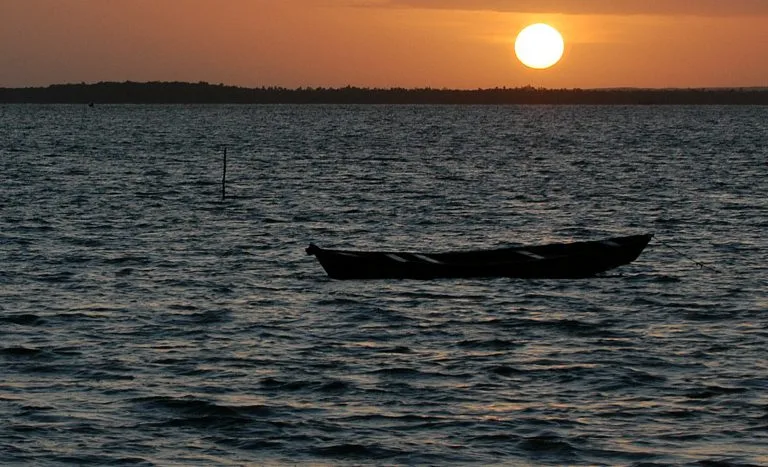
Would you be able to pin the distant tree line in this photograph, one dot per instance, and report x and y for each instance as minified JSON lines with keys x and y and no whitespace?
{"x":204,"y":93}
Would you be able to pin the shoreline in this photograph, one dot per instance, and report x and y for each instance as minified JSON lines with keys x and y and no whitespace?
{"x":205,"y":93}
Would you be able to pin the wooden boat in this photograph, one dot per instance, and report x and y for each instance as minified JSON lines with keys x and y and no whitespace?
{"x":549,"y":261}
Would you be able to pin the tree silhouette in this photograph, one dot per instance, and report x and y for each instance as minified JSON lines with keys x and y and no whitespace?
{"x":129,"y":92}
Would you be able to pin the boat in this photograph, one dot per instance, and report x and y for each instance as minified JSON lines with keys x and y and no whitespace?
{"x":573,"y":260}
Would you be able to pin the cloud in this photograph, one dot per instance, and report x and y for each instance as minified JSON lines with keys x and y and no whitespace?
{"x":604,"y":7}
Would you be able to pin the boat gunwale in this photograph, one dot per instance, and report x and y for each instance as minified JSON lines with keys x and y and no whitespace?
{"x":575,"y":245}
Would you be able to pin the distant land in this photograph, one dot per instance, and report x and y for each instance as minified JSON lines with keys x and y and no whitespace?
{"x":204,"y":93}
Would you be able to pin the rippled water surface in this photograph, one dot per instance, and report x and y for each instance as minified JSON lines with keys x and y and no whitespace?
{"x":147,"y":322}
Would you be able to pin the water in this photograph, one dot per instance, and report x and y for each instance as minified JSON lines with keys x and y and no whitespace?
{"x":146,"y":322}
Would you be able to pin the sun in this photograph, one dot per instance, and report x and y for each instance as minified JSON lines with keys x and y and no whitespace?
{"x":539,"y":46}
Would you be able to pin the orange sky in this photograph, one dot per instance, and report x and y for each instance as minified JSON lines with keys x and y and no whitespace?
{"x":382,"y":43}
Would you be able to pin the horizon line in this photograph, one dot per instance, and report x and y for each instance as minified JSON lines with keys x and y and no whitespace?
{"x":401,"y":88}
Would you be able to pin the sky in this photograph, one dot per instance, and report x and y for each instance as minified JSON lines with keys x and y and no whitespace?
{"x":457,"y":44}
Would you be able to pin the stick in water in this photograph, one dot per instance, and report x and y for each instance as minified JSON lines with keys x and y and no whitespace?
{"x":224,"y":175}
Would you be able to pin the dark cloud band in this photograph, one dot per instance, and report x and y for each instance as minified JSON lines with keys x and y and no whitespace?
{"x":606,"y":7}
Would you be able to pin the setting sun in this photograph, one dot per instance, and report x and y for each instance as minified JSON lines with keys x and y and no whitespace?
{"x":539,"y":46}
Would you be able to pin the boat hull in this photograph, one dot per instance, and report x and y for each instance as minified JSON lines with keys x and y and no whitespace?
{"x":549,"y":261}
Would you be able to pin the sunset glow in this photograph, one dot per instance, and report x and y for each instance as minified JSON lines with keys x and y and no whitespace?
{"x":465,"y":44}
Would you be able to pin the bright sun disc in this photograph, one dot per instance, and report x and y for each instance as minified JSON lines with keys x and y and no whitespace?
{"x":539,"y":46}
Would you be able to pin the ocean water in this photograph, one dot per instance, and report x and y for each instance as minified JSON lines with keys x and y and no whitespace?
{"x":146,"y":321}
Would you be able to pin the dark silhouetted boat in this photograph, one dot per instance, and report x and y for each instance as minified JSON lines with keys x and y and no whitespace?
{"x":551,"y":261}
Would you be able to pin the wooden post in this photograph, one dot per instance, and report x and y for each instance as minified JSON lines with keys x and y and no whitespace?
{"x":224,"y":176}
